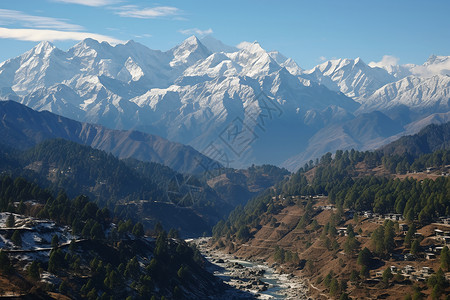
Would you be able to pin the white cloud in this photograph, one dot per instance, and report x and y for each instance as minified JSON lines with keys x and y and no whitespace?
{"x":440,"y":65}
{"x":133,"y":11}
{"x":196,"y":31}
{"x":14,"y":17}
{"x":144,"y":35}
{"x":37,"y":35}
{"x":386,"y":61}
{"x":322,"y":58}
{"x":89,"y":2}
{"x":243,"y":45}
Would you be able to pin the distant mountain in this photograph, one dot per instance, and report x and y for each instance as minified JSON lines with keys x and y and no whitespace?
{"x":239,"y":106}
{"x":352,"y":77}
{"x":420,"y":95}
{"x":364,"y":132}
{"x":191,"y":94}
{"x":422,"y":89}
{"x":429,"y":139}
{"x":22,"y":127}
{"x":214,"y":45}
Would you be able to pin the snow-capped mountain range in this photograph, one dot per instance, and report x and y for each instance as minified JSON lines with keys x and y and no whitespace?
{"x":239,"y":105}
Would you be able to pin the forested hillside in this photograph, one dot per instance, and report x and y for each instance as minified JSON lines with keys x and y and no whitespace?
{"x":23,"y":128}
{"x":143,"y":191}
{"x":102,"y":260}
{"x":431,"y":138}
{"x":346,"y":185}
{"x":345,"y":219}
{"x":119,"y":185}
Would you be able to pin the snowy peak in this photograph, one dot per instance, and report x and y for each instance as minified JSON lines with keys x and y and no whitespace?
{"x":420,"y":94}
{"x":91,"y":44}
{"x":352,"y":77}
{"x":285,"y":62}
{"x":43,"y":48}
{"x":331,"y":67}
{"x":188,"y":52}
{"x":41,"y":51}
{"x":253,"y":49}
{"x":215,"y":45}
{"x":217,"y":64}
{"x":278,"y":57}
{"x":435,"y":65}
{"x":435,"y":59}
{"x":251,"y":60}
{"x":255,"y":61}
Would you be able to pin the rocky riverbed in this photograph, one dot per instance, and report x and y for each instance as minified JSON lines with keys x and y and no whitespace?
{"x":256,"y":278}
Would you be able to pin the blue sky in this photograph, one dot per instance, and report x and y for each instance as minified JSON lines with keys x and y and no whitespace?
{"x":308,"y":31}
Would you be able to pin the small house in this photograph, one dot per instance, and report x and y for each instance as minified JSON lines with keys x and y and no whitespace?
{"x":408,"y":256}
{"x":430,"y":255}
{"x":408,"y":269}
{"x":447,"y":240}
{"x":367,"y":214}
{"x":342,"y":231}
{"x":403,"y":227}
{"x":438,"y":232}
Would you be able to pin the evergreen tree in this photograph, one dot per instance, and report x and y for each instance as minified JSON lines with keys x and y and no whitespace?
{"x":17,"y":238}
{"x":334,"y":287}
{"x":138,"y":229}
{"x":415,"y":247}
{"x":354,"y":276}
{"x":409,"y":235}
{"x":5,"y":263}
{"x":173,"y":234}
{"x":445,"y":259}
{"x":389,"y":234}
{"x":387,"y":275}
{"x":96,"y":232}
{"x":56,"y":261}
{"x":63,"y":287}
{"x":55,"y":241}
{"x":10,"y":221}
{"x":33,"y":270}
{"x":344,"y":296}
{"x":364,"y":257}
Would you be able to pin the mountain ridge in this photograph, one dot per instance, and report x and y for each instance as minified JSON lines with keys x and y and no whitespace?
{"x":22,"y":127}
{"x":193,"y":94}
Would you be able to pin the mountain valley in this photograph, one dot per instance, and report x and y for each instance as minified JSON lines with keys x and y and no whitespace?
{"x":128,"y":172}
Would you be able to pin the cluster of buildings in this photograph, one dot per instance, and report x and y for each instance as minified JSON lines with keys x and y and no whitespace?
{"x":410,"y":272}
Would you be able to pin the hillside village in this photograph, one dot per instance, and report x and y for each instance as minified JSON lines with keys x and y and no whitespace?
{"x":360,"y":238}
{"x":307,"y":254}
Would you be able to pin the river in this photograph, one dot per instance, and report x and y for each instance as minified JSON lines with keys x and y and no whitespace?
{"x":256,"y":278}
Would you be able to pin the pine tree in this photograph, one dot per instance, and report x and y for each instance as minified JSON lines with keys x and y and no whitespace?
{"x":96,"y":231}
{"x":364,"y":257}
{"x":334,"y":287}
{"x":387,"y":275}
{"x":138,"y":229}
{"x":17,"y":238}
{"x":409,"y":235}
{"x":55,"y":241}
{"x":445,"y":259}
{"x":10,"y":221}
{"x":33,"y":270}
{"x":415,"y":247}
{"x":5,"y":263}
{"x":63,"y":287}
